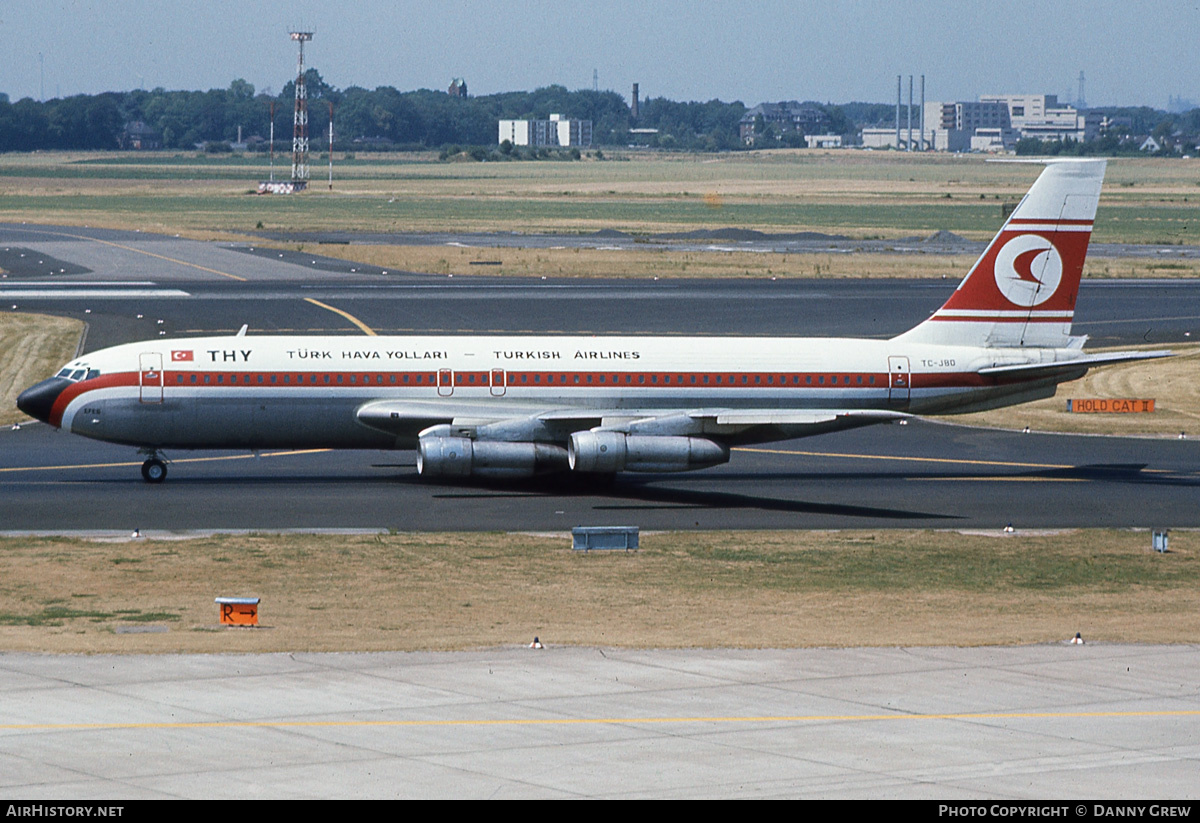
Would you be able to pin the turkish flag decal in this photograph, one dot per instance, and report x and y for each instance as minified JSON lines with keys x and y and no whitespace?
{"x":181,"y":356}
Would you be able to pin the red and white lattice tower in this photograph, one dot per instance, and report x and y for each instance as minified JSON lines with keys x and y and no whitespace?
{"x":300,"y":121}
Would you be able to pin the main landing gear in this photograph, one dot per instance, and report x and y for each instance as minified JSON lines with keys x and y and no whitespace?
{"x":154,"y":470}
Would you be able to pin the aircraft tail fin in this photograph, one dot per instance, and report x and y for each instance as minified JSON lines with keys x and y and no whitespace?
{"x":1022,"y":290}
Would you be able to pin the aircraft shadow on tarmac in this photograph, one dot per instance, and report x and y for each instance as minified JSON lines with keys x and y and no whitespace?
{"x":1130,"y":473}
{"x":676,"y":498}
{"x":642,"y":494}
{"x":637,"y":492}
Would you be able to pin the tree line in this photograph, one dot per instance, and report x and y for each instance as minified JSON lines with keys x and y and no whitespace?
{"x":364,"y":119}
{"x":387,"y":119}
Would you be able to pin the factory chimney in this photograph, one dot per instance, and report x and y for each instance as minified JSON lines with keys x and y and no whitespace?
{"x":910,"y":89}
{"x":921,"y":115}
{"x":898,"y":111}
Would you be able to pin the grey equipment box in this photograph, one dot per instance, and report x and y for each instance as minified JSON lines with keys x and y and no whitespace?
{"x":586,"y":538}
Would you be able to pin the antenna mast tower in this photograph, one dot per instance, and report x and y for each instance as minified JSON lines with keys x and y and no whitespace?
{"x":300,"y":120}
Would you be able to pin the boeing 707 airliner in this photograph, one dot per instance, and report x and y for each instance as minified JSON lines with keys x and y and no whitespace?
{"x":517,"y":406}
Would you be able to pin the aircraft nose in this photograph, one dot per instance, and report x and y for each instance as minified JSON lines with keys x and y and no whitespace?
{"x":38,"y":400}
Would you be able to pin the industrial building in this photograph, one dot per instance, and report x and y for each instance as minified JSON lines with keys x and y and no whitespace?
{"x":885,"y":138}
{"x":997,"y":121}
{"x":968,"y":126}
{"x":1041,"y":116}
{"x":993,"y":123}
{"x":557,"y":131}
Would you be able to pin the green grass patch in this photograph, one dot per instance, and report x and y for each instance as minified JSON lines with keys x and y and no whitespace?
{"x":149,"y":617}
{"x":1002,"y":566}
{"x":853,"y":193}
{"x":54,"y":615}
{"x":242,"y":212}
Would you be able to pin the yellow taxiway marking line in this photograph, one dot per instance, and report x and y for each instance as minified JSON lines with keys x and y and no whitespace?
{"x":365,"y":328}
{"x":955,"y":460}
{"x":946,"y":460}
{"x":147,"y":253}
{"x":583,"y":721}
{"x":1005,"y":479}
{"x":180,"y":460}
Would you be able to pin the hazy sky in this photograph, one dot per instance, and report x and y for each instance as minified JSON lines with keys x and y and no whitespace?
{"x":1131,"y":53}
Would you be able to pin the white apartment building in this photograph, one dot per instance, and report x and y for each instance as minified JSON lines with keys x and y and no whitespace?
{"x":557,"y":131}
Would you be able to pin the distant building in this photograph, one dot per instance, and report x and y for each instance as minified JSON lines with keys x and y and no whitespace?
{"x":557,"y":131}
{"x":885,"y":138}
{"x":140,"y":137}
{"x":517,"y":132}
{"x":1041,"y":116}
{"x":458,"y":88}
{"x":823,"y":141}
{"x":1110,"y":124}
{"x":968,"y":126}
{"x":993,"y":140}
{"x":782,"y":117}
{"x":995,"y":122}
{"x":1178,"y":104}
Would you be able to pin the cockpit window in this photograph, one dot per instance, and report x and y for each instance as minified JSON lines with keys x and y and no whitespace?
{"x":92,"y":373}
{"x":78,"y":374}
{"x":64,"y":373}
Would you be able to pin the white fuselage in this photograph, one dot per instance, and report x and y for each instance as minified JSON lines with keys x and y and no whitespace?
{"x":298,"y":392}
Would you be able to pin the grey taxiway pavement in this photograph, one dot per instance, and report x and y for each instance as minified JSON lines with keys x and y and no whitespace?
{"x":1035,"y":723}
{"x":130,"y":285}
{"x":923,"y":475}
{"x":1053,"y":721}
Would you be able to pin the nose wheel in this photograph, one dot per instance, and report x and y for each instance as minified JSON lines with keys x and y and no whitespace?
{"x":154,"y":470}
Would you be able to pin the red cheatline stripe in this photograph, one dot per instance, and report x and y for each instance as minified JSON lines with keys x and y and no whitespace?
{"x":104,"y":381}
{"x":522,"y":379}
{"x":1021,"y":221}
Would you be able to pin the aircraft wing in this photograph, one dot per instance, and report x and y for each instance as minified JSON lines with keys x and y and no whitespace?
{"x":409,"y":417}
{"x":520,"y":421}
{"x":775,"y":417}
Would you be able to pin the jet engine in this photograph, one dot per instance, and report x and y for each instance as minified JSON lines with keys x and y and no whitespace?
{"x":607,"y":451}
{"x":439,"y":456}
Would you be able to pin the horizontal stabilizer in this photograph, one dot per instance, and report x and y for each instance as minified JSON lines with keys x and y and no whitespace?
{"x":1058,"y":366}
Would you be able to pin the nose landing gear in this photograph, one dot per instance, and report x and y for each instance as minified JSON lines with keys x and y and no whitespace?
{"x":154,"y":470}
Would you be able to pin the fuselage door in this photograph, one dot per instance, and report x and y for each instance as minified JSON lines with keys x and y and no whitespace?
{"x":445,"y":382}
{"x":899,"y":381}
{"x":150,"y":377}
{"x":499,"y":382}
